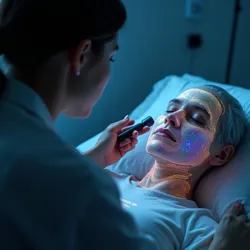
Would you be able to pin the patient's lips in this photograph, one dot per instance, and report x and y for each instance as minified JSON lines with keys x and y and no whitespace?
{"x":165,"y":133}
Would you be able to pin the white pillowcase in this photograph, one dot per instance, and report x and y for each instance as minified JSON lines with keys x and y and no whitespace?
{"x":220,"y":188}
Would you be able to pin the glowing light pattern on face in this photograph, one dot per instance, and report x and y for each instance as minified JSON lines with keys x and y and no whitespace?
{"x":215,"y":108}
{"x":192,"y":147}
{"x":198,"y":141}
{"x":194,"y":143}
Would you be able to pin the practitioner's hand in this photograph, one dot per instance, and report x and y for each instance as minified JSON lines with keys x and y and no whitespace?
{"x":233,"y":232}
{"x":107,"y":151}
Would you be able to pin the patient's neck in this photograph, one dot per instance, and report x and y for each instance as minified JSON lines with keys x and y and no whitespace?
{"x":172,"y":179}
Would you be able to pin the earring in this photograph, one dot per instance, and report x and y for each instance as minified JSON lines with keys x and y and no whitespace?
{"x":78,"y":73}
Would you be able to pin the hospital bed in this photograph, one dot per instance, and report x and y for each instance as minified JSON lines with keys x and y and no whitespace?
{"x":223,"y":186}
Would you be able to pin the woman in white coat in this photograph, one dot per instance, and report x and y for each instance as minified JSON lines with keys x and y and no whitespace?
{"x":57,"y":56}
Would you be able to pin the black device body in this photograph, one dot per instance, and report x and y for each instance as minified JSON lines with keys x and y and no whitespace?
{"x":149,"y":121}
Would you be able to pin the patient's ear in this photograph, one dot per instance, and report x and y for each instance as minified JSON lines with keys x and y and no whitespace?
{"x":225,"y":154}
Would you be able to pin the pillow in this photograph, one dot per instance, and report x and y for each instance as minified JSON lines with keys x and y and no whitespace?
{"x":218,"y":189}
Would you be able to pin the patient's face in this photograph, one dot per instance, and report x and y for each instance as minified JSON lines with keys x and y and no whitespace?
{"x":184,"y":134}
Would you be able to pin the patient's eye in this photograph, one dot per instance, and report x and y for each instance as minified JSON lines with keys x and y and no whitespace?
{"x":171,"y":109}
{"x":197,"y":119}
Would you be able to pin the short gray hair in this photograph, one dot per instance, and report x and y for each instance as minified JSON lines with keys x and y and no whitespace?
{"x":233,"y":124}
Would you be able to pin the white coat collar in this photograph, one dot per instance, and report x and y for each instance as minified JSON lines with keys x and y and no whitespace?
{"x":26,"y":98}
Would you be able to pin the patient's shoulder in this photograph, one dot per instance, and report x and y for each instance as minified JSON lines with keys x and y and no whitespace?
{"x":201,"y":217}
{"x":200,"y":227}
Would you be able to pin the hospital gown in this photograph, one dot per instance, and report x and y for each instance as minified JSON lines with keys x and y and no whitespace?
{"x":174,"y":223}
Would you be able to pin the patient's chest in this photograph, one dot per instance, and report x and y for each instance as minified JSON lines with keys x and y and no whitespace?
{"x":166,"y":218}
{"x":158,"y":217}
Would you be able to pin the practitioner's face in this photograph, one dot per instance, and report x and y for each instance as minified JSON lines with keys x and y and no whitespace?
{"x":184,"y":134}
{"x":86,"y":89}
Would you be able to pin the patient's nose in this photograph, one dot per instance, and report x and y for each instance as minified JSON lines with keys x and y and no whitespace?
{"x":175,"y":119}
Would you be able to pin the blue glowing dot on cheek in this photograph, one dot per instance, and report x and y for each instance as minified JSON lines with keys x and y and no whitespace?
{"x":192,"y":144}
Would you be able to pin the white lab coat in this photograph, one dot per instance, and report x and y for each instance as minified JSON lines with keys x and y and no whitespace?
{"x":51,"y":197}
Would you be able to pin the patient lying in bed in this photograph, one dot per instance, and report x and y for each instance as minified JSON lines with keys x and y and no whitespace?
{"x":200,"y":130}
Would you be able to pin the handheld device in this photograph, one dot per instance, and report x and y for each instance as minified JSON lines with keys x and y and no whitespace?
{"x":149,"y":121}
